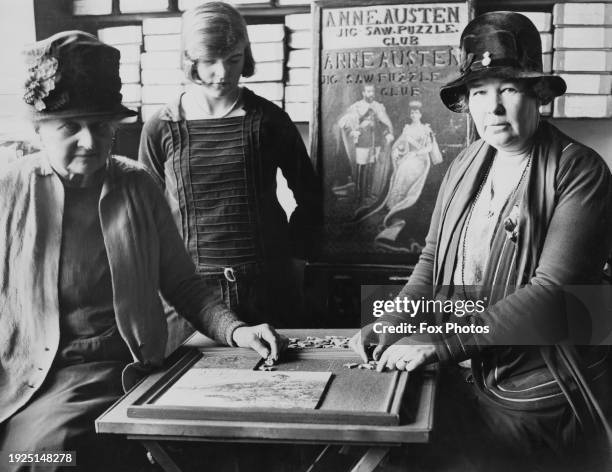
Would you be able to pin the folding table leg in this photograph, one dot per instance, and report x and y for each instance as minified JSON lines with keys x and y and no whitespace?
{"x":370,"y":459}
{"x":161,"y":456}
{"x":325,"y":452}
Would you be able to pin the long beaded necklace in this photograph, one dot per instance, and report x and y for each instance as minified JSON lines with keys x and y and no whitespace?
{"x":464,"y":244}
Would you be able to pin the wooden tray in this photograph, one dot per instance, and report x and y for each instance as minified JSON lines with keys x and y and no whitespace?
{"x":352,"y":396}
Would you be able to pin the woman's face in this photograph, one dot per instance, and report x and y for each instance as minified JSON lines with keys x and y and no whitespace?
{"x":220,"y":75}
{"x":415,"y":114}
{"x":505,"y":116}
{"x":77,"y":147}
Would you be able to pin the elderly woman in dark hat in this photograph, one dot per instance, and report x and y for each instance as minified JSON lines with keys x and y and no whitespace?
{"x":523,"y":213}
{"x":88,"y":242}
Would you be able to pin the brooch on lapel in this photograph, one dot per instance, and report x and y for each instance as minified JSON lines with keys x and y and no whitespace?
{"x":511,"y":224}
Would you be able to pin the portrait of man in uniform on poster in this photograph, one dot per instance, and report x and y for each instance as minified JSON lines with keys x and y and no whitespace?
{"x":367,"y":134}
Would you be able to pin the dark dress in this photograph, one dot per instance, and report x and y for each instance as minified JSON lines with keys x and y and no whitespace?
{"x":219,"y":177}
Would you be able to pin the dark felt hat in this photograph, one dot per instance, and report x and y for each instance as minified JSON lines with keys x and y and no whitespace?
{"x":499,"y":44}
{"x":73,"y":74}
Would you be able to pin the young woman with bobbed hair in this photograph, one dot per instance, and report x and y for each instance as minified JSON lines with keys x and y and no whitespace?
{"x":216,"y":150}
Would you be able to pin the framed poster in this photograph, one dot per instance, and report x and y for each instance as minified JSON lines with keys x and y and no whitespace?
{"x":381,"y":137}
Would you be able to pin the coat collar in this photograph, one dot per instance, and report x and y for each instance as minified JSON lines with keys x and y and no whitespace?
{"x":461,"y":188}
{"x":44,"y":169}
{"x":172,"y":111}
{"x":537,"y":206}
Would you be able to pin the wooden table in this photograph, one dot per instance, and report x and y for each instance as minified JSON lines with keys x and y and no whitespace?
{"x":414,"y":427}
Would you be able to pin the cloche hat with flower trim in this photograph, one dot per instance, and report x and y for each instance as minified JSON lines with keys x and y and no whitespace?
{"x":499,"y":44}
{"x":73,"y":74}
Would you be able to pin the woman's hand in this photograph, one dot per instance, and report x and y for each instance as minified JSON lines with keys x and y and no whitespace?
{"x":356,"y":344}
{"x":404,"y":356}
{"x":262,"y":338}
{"x":366,"y":336}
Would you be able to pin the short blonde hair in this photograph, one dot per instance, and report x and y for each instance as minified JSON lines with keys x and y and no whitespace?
{"x":214,"y":29}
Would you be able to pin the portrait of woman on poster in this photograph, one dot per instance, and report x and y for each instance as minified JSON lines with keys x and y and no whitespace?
{"x":88,"y":243}
{"x":412,"y":155}
{"x":522,"y":216}
{"x":215,"y":150}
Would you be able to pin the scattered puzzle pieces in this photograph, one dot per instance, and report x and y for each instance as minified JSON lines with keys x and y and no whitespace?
{"x":371,"y":365}
{"x":328,"y":342}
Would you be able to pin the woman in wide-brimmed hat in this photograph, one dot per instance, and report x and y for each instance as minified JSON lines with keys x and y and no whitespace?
{"x":523,"y":213}
{"x":87,"y":243}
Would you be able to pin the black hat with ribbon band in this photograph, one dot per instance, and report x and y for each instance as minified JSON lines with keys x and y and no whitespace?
{"x":504,"y":45}
{"x":73,"y":74}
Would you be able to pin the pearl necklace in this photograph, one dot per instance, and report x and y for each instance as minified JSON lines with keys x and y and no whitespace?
{"x":464,"y":244}
{"x":225,"y":112}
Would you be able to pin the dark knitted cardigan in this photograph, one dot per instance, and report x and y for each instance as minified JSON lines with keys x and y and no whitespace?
{"x":564,"y":238}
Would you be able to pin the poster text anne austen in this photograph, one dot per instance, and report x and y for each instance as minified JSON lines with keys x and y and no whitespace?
{"x":391,"y":16}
